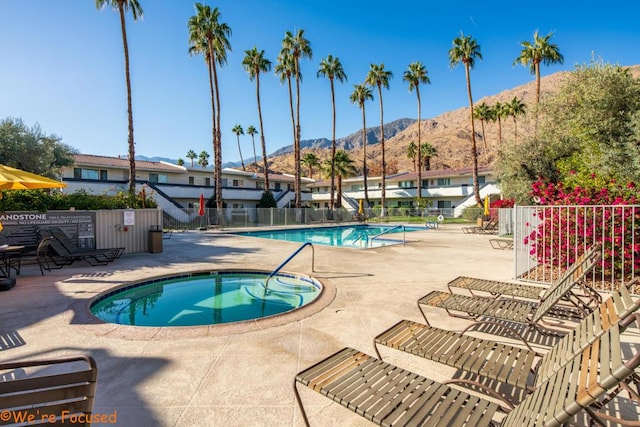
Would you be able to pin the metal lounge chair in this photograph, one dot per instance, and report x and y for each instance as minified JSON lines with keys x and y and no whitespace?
{"x":521,"y":290}
{"x":91,"y":256}
{"x":57,"y":389}
{"x":513,"y":365}
{"x":388,"y":395}
{"x":515,"y":310}
{"x":489,"y":227}
{"x":72,"y":247}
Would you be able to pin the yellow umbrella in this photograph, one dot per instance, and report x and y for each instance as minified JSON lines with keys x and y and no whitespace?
{"x":360,"y":208}
{"x":486,"y":205}
{"x":16,"y":179}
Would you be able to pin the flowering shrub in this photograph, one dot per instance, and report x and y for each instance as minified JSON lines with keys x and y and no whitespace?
{"x":502,"y":203}
{"x":596,"y":211}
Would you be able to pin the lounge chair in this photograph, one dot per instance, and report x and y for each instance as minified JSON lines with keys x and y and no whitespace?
{"x":91,"y":256}
{"x":501,"y":243}
{"x":519,"y":311}
{"x":521,"y":290}
{"x":388,"y":395}
{"x":58,"y":389}
{"x":72,"y":247}
{"x":506,"y":363}
{"x":489,"y":227}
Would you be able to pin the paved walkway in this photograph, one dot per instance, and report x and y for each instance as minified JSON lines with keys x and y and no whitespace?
{"x":211,"y":377}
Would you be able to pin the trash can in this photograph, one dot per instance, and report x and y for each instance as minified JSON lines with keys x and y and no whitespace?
{"x":155,"y":239}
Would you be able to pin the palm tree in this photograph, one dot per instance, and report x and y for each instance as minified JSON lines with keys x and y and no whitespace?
{"x":500,"y":111}
{"x":237,"y":129}
{"x":298,"y":47}
{"x":465,"y":49}
{"x":343,"y":168}
{"x":203,"y":159}
{"x":285,"y":69}
{"x":211,"y":38}
{"x":482,"y":112}
{"x":191,"y":155}
{"x":255,"y":63}
{"x":415,"y":75}
{"x":428,"y":151}
{"x":122,"y":6}
{"x":251,"y":130}
{"x":412,"y":151}
{"x":362,"y":93}
{"x":515,"y":108}
{"x":378,"y":76}
{"x":180,"y":162}
{"x":532,"y":54}
{"x":311,"y":161}
{"x":331,"y":68}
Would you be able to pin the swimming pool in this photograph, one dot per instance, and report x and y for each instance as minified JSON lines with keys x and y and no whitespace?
{"x":351,"y":236}
{"x":205,"y":298}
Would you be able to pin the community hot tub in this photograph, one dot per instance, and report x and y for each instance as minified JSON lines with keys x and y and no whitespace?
{"x":206,"y":298}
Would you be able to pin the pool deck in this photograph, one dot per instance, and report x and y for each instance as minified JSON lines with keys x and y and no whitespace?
{"x":240,"y":375}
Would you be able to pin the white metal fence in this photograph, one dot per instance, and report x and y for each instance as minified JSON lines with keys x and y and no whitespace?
{"x":547,"y":239}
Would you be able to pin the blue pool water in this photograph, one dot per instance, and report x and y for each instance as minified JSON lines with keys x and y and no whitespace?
{"x":205,"y":298}
{"x":352,"y":236}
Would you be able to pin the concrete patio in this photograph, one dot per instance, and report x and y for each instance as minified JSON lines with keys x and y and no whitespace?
{"x":241,"y":375}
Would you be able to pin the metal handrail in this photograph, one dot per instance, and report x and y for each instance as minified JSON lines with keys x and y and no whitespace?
{"x":362,"y":235}
{"x":286,"y":261}
{"x":404,"y":234}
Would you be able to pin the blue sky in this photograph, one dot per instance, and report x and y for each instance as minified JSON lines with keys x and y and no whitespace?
{"x":62,"y":64}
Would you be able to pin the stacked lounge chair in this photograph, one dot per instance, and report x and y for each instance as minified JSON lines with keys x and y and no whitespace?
{"x":64,"y":251}
{"x":388,"y":395}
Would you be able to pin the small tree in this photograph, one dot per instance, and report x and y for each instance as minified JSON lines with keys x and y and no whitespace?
{"x":267,"y":200}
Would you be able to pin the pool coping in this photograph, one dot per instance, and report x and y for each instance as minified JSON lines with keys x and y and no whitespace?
{"x":83,"y":317}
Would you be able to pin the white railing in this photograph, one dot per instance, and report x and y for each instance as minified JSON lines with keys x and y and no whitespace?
{"x":547,"y":239}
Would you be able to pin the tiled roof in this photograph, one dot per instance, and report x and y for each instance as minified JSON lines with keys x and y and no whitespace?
{"x":123,"y":163}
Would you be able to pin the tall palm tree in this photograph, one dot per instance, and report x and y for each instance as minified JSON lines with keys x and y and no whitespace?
{"x":540,"y":51}
{"x":203,"y":159}
{"x":298,"y":47}
{"x":482,"y":112}
{"x":331,"y":68}
{"x":255,"y":63}
{"x":343,"y":168}
{"x":237,"y":129}
{"x":251,"y":130}
{"x":362,"y":93}
{"x":191,"y":155}
{"x":499,"y":112}
{"x":285,"y":69}
{"x":311,"y":161}
{"x":515,"y":109}
{"x":122,"y":6}
{"x":415,"y":75}
{"x":211,"y":38}
{"x":428,"y":151}
{"x":378,"y":76}
{"x":412,"y":152}
{"x":465,"y":50}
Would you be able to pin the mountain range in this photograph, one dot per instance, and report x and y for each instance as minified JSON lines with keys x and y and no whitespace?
{"x":449,"y":133}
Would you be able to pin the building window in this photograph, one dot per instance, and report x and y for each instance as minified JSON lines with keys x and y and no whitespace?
{"x":259,"y":185}
{"x":90,"y":174}
{"x":357,"y":187}
{"x":207,"y":182}
{"x":444,"y":204}
{"x":192,"y":180}
{"x":425,"y":183}
{"x":405,"y":184}
{"x":159,"y":178}
{"x":238,"y":205}
{"x":277,"y":186}
{"x":225,"y":182}
{"x":481,"y":179}
{"x":444,"y":181}
{"x":238,"y":183}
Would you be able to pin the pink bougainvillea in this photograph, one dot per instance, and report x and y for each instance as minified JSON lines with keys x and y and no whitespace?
{"x":574,"y":217}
